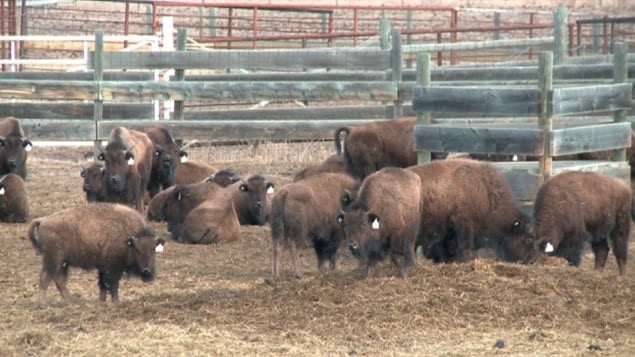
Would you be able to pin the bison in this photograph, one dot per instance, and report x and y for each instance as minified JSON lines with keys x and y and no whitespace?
{"x":303,"y":214}
{"x":128,"y":162}
{"x":333,"y":163}
{"x":14,"y":147}
{"x":574,"y":208}
{"x":370,"y":147}
{"x":250,"y":199}
{"x":212,"y":222}
{"x":166,"y":157}
{"x":384,"y":219}
{"x":94,"y":184}
{"x":14,"y":201}
{"x":112,"y":238}
{"x":466,"y":205}
{"x":193,"y":171}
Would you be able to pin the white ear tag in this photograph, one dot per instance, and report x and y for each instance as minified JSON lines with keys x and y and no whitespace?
{"x":28,"y":147}
{"x":548,"y":248}
{"x":1,"y":191}
{"x":184,"y":159}
{"x":515,"y":157}
{"x":270,"y":190}
{"x":159,"y":248}
{"x":131,"y":161}
{"x":375,"y":224}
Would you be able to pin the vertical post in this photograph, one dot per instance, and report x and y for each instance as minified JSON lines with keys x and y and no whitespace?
{"x":596,"y":29}
{"x":578,"y":38}
{"x":560,"y":34}
{"x":179,"y":73}
{"x":439,"y":53}
{"x":409,"y":26}
{"x":126,"y":21}
{"x":423,"y":79}
{"x":331,"y":29}
{"x":605,"y":37}
{"x":384,"y":33}
{"x":454,"y":24}
{"x":570,"y":47}
{"x":229,"y":27}
{"x":396,"y":60}
{"x":167,"y":23}
{"x":212,"y":21}
{"x":98,"y":77}
{"x":255,"y":26}
{"x":149,"y":19}
{"x":545,"y":83}
{"x":620,"y":75}
{"x":497,"y":24}
{"x":612,"y":41}
{"x":355,"y":25}
{"x":531,"y":33}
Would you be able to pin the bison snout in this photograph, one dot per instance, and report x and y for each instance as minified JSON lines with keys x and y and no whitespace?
{"x":259,"y":204}
{"x":115,"y":179}
{"x":353,"y":246}
{"x":87,"y":187}
{"x":12,"y":164}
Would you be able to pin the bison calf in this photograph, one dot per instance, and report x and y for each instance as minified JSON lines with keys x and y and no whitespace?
{"x":14,"y":202}
{"x":14,"y":147}
{"x":94,"y":185}
{"x":112,"y":238}
{"x":250,"y":199}
{"x":574,"y":208}
{"x":383,"y":221}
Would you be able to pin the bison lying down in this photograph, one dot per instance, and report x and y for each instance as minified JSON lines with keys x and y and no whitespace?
{"x":112,"y":238}
{"x":14,"y":201}
{"x":14,"y":147}
{"x":574,"y":208}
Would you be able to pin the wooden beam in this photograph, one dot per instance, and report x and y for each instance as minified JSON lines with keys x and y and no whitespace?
{"x":574,"y":140}
{"x":77,"y":76}
{"x":337,"y":76}
{"x":34,"y":89}
{"x":595,"y":99}
{"x":377,"y":112}
{"x":38,"y":110}
{"x":476,"y":101}
{"x":40,"y":129}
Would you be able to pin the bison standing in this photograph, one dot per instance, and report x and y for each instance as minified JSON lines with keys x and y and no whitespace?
{"x":14,"y":147}
{"x":112,"y":238}
{"x":14,"y":201}
{"x":94,"y":184}
{"x":166,"y":157}
{"x":574,"y":208}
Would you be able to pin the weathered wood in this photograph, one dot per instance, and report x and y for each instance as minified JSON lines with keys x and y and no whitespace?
{"x":250,"y":91}
{"x":560,"y":34}
{"x":396,"y":62}
{"x":273,"y":59}
{"x":98,"y":72}
{"x":39,"y":129}
{"x":582,"y":100}
{"x":309,"y":113}
{"x":76,"y":110}
{"x":478,"y":139}
{"x":545,"y":83}
{"x":179,"y":74}
{"x":620,"y":75}
{"x":423,"y":118}
{"x":476,"y":101}
{"x":337,"y":76}
{"x":34,"y":89}
{"x":213,"y":130}
{"x":476,"y":45}
{"x":77,"y":76}
{"x":574,"y":140}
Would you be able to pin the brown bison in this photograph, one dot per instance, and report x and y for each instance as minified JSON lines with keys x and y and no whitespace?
{"x":213,"y":221}
{"x":370,"y":147}
{"x":112,"y":238}
{"x":14,"y":201}
{"x":94,"y":184}
{"x":193,"y":171}
{"x":574,"y":208}
{"x":466,"y":205}
{"x":303,"y":214}
{"x":128,"y":163}
{"x":166,"y":157}
{"x":250,"y":199}
{"x":384,"y":219}
{"x":14,"y":147}
{"x":333,"y":163}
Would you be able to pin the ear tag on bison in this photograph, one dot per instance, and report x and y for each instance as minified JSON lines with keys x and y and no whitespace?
{"x":270,"y":190}
{"x":28,"y":147}
{"x":183,"y":159}
{"x":548,"y":248}
{"x":159,"y":248}
{"x":131,"y":161}
{"x":515,"y":157}
{"x":2,"y":191}
{"x":375,"y":224}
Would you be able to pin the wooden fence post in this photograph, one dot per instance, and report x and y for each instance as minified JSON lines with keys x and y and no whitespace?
{"x":423,"y":79}
{"x":545,"y":83}
{"x":384,"y":33}
{"x":620,"y":75}
{"x":396,"y":59}
{"x":98,"y":77}
{"x":212,"y":22}
{"x":560,"y":34}
{"x":409,"y":26}
{"x":497,"y":24}
{"x":179,"y":74}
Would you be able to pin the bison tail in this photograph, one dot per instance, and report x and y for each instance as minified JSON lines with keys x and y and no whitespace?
{"x":338,"y":134}
{"x":277,"y":214}
{"x":33,"y":230}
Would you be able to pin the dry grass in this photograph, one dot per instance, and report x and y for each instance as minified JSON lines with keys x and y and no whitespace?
{"x":220,"y":300}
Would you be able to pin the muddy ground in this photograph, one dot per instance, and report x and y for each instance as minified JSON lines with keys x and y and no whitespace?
{"x":220,"y":300}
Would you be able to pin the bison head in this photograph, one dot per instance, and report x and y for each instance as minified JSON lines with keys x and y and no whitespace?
{"x":93,"y":184}
{"x":178,"y":204}
{"x":164,"y":162}
{"x":13,"y":154}
{"x":118,"y":163}
{"x":362,"y":230}
{"x":142,"y":249}
{"x":223,"y":178}
{"x":520,"y":244}
{"x":255,"y":191}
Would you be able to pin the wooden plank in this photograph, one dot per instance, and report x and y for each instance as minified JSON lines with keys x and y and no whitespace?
{"x":78,"y":76}
{"x":249,"y":91}
{"x":482,"y":139}
{"x":38,"y":129}
{"x":574,"y":140}
{"x":368,"y":59}
{"x":595,"y":99}
{"x":476,"y":101}
{"x":337,"y":76}
{"x":309,"y":113}
{"x":34,"y":89}
{"x":214,"y":130}
{"x":76,"y":110}
{"x":475,"y":45}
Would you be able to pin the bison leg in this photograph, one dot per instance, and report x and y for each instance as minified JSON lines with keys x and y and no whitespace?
{"x":275,"y":261}
{"x":601,"y":251}
{"x":45,"y":281}
{"x":295,"y":258}
{"x":620,"y":250}
{"x":103,"y":286}
{"x":60,"y":278}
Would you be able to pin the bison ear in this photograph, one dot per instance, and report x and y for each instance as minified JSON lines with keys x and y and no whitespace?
{"x":346,"y":198}
{"x":101,"y":157}
{"x":27,"y":145}
{"x":183,"y":156}
{"x":1,"y":140}
{"x":517,"y":226}
{"x":131,"y":241}
{"x":270,"y":187}
{"x":178,"y":195}
{"x":82,"y":173}
{"x":373,"y":220}
{"x":2,"y":190}
{"x":340,"y":217}
{"x":157,"y":151}
{"x":129,"y":158}
{"x":160,"y":243}
{"x":244,"y":187}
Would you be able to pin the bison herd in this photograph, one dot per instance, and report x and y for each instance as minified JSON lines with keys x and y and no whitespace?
{"x":369,"y":199}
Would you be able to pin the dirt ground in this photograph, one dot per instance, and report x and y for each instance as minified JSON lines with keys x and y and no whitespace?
{"x":220,"y":300}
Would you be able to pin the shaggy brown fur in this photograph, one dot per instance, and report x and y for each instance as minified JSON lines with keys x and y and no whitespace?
{"x":370,"y":147}
{"x":333,"y":163}
{"x":303,"y":214}
{"x":193,"y":171}
{"x":574,"y":208}
{"x":251,"y":199}
{"x":108,"y":237}
{"x":167,"y":155}
{"x":183,"y":199}
{"x":384,"y":219}
{"x":213,"y":221}
{"x":128,"y":163}
{"x":467,"y":205}
{"x":14,"y":147}
{"x":94,"y":184}
{"x":14,"y":200}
